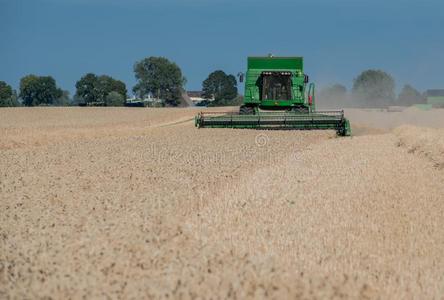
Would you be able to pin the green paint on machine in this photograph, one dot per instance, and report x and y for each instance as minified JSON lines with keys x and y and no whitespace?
{"x":277,"y":95}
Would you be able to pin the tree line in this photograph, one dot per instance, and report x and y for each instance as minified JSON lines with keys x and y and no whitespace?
{"x":162,"y":79}
{"x":371,"y":89}
{"x":157,"y":77}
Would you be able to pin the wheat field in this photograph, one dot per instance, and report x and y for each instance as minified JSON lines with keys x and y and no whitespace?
{"x":137,"y":203}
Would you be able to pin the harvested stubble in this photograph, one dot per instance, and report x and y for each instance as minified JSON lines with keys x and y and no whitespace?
{"x":141,"y":204}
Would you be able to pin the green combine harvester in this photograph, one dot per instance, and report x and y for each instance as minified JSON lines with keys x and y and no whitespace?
{"x":277,"y":95}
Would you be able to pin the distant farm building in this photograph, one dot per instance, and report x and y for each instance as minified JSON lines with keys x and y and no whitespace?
{"x":435,"y":98}
{"x":196,"y":97}
{"x":149,"y":100}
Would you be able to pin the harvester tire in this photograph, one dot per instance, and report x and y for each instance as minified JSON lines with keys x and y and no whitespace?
{"x":246,"y":110}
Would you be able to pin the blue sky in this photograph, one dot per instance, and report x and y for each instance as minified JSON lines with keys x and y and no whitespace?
{"x":339,"y":39}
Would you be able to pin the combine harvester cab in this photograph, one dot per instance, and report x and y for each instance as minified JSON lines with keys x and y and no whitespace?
{"x":277,"y":95}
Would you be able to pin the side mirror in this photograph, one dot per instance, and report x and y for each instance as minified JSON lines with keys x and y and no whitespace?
{"x":306,"y":78}
{"x":240,"y":75}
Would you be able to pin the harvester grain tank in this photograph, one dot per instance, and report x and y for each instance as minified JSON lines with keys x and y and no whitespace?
{"x":277,"y":95}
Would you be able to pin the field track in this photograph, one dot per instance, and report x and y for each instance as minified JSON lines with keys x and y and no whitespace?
{"x":127,"y":203}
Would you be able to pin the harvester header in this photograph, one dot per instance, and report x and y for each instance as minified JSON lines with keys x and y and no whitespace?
{"x":277,"y":95}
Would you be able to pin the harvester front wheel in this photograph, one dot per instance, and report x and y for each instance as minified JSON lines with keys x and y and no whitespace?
{"x":246,"y":110}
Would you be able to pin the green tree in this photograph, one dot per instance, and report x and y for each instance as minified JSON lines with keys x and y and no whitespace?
{"x":39,"y":90}
{"x":374,"y":88}
{"x":119,"y":87}
{"x":333,"y":96}
{"x":159,"y":77}
{"x":103,"y":86}
{"x":114,"y":99}
{"x":409,"y":96}
{"x":8,"y":96}
{"x":28,"y":85}
{"x":5,"y":91}
{"x":63,"y":100}
{"x":106,"y":84}
{"x":220,"y":87}
{"x":95,"y":89}
{"x":86,"y":89}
